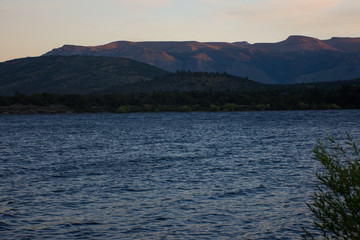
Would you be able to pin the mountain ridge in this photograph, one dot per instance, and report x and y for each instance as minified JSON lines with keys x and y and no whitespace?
{"x":296,"y":43}
{"x":277,"y":63}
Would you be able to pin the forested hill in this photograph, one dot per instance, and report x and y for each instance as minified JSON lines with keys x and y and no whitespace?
{"x":190,"y":81}
{"x":71,"y":74}
{"x":102,"y":84}
{"x":88,"y":74}
{"x":106,"y":75}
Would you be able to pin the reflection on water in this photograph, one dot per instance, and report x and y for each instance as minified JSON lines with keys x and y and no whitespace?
{"x":161,"y":176}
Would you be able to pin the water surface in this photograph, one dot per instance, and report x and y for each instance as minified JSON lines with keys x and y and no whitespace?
{"x":243,"y":175}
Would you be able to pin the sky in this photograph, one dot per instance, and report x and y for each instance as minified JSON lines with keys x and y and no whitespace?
{"x":34,"y":27}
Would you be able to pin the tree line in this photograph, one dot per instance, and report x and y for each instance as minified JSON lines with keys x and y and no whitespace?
{"x":346,"y":97}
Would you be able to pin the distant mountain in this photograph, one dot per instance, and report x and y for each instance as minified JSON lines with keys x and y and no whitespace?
{"x":294,"y":60}
{"x":296,"y":44}
{"x":344,"y":44}
{"x":71,"y":74}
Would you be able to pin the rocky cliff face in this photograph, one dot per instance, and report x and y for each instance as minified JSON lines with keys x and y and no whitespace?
{"x":294,"y":60}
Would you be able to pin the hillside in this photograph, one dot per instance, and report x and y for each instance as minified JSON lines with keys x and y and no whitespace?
{"x":190,"y":81}
{"x":295,"y":60}
{"x":88,"y":74}
{"x":71,"y":74}
{"x":105,"y":75}
{"x":58,"y":84}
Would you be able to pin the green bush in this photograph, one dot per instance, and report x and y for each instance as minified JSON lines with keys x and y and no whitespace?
{"x":336,"y":202}
{"x":122,"y":109}
{"x":214,"y":108}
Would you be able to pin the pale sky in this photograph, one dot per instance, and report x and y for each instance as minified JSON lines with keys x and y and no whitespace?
{"x":33,"y":27}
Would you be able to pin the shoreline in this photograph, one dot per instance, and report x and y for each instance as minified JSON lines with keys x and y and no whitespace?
{"x":63,"y":109}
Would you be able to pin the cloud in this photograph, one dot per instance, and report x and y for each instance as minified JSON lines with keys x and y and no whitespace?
{"x":279,"y":9}
{"x":143,"y":4}
{"x":222,"y":2}
{"x":151,"y":2}
{"x":27,"y":7}
{"x":263,"y":19}
{"x":47,"y":6}
{"x":5,"y":8}
{"x":294,"y":15}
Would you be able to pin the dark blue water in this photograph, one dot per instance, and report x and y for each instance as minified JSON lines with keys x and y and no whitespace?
{"x":240,"y":175}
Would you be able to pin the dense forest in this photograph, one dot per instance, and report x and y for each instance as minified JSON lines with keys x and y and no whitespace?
{"x":58,"y":84}
{"x":279,"y":98}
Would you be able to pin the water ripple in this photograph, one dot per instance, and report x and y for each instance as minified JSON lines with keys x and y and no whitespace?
{"x":161,"y":176}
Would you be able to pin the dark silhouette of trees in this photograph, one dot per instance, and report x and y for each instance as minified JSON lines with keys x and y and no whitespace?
{"x":347,"y":97}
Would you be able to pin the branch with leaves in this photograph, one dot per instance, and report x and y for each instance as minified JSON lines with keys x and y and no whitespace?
{"x":336,"y":202}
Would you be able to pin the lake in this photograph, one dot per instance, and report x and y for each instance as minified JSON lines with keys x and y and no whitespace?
{"x":241,"y":175}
